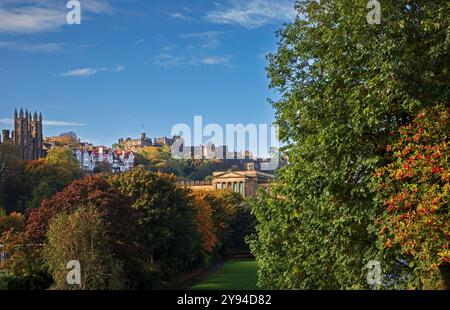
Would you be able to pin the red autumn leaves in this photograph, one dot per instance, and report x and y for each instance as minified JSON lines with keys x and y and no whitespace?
{"x":415,"y":190}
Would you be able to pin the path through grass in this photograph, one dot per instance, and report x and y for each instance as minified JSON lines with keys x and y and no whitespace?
{"x":235,"y":274}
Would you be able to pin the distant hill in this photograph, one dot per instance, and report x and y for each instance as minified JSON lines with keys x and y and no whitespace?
{"x":69,"y":139}
{"x":69,"y":134}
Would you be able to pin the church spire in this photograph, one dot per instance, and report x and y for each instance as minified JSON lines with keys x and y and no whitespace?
{"x":21,"y":112}
{"x":15,"y":113}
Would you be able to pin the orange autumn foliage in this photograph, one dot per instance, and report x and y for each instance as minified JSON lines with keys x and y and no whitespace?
{"x":205,"y":224}
{"x":414,"y":189}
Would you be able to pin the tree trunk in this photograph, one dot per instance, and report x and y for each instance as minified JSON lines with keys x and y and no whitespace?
{"x":445,"y":273}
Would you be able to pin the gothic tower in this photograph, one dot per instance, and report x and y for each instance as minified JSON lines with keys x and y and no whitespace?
{"x":27,"y":134}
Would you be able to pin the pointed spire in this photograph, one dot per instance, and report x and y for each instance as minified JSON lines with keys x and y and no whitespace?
{"x":35,"y":116}
{"x":15,"y":113}
{"x":40,"y":118}
{"x":21,"y":112}
{"x":26,"y":113}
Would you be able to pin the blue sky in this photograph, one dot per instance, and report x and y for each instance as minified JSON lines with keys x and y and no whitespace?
{"x":138,"y":65}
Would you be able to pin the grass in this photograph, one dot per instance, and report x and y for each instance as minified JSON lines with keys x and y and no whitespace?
{"x":236,"y":274}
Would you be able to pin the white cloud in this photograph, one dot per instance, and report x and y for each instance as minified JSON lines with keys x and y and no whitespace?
{"x":62,"y":123}
{"x":209,"y":39}
{"x":29,"y":16}
{"x":83,"y":72}
{"x":178,"y":15}
{"x":86,"y":72}
{"x":252,"y":13}
{"x":118,"y":68}
{"x":32,"y":47}
{"x":211,"y":60}
{"x":169,"y":60}
{"x":30,"y":19}
{"x":8,"y":121}
{"x":97,"y":6}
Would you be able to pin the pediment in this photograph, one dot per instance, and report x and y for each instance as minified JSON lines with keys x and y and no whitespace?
{"x":229,"y":174}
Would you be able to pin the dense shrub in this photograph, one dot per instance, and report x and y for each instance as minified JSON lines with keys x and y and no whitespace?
{"x":9,"y":281}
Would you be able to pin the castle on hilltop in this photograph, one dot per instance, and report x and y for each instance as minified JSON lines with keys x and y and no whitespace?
{"x":27,"y":135}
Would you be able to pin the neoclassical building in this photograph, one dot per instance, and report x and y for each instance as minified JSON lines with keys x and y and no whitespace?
{"x":245,"y":182}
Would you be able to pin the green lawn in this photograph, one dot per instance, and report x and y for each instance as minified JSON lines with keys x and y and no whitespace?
{"x":238,"y":274}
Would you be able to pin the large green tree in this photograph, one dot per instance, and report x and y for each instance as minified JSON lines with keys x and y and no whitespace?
{"x":344,"y":84}
{"x":167,"y":227}
{"x":43,"y":178}
{"x":159,"y":159}
{"x":11,"y":169}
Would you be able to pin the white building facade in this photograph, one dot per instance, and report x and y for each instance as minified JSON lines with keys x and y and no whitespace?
{"x":120,"y":161}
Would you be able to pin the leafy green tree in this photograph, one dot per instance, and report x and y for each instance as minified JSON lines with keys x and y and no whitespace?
{"x":224,"y":205}
{"x":62,"y":156}
{"x":159,"y":159}
{"x":9,"y":158}
{"x":43,"y":178}
{"x":242,"y":226}
{"x":11,"y":187}
{"x":83,"y":236}
{"x":168,"y":228}
{"x":344,"y":85}
{"x":205,"y":169}
{"x":24,"y":261}
{"x":10,"y":282}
